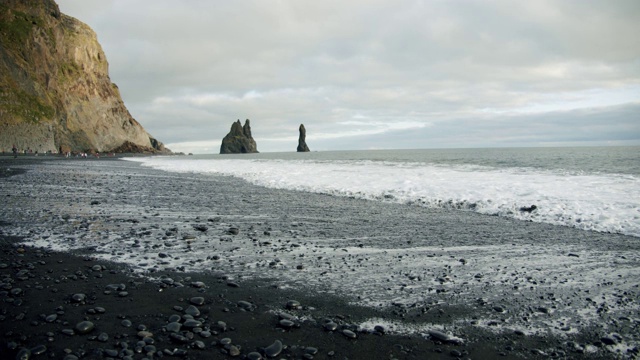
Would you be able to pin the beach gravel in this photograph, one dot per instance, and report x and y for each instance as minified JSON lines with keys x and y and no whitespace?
{"x":149,"y":264}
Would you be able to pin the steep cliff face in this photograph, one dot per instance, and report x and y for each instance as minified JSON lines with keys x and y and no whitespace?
{"x":55,"y":90}
{"x":239,"y":140}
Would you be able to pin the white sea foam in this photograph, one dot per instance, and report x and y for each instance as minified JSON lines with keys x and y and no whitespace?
{"x":599,"y":202}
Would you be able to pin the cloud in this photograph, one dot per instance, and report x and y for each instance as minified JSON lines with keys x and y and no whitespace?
{"x":358,"y":71}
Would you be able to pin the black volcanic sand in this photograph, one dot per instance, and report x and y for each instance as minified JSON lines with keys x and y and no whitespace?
{"x":50,"y":299}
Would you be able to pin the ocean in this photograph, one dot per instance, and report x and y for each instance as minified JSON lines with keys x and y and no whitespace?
{"x":589,"y":188}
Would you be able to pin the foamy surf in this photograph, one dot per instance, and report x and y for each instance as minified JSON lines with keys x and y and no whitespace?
{"x":598,"y":202}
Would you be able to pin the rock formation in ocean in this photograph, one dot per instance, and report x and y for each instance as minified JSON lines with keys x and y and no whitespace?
{"x":302,"y":145}
{"x":239,"y":140}
{"x":55,"y":90}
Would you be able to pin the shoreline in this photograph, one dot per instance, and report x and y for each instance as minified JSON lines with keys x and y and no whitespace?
{"x":251,"y":309}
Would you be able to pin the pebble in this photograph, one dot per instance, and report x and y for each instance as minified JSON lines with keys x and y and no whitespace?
{"x":85,"y":327}
{"x":287,"y":324}
{"x":330,"y":326}
{"x":348,"y":333}
{"x":379,"y":329}
{"x":192,"y":310}
{"x":292,"y":305}
{"x":274,"y":349}
{"x":200,"y":227}
{"x":233,"y":351}
{"x":221,"y":326}
{"x":78,"y":298}
{"x":38,"y":350}
{"x":198,"y":300}
{"x":254,"y":356}
{"x":286,"y":316}
{"x":116,"y":287}
{"x":192,"y":323}
{"x":608,"y":340}
{"x":178,"y":338}
{"x":144,"y":334}
{"x":245,"y":305}
{"x":173,"y":327}
{"x":16,"y":292}
{"x":198,"y":284}
{"x":439,"y":335}
{"x":23,"y":354}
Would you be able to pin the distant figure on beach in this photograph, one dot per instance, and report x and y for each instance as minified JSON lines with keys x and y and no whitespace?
{"x":15,"y":151}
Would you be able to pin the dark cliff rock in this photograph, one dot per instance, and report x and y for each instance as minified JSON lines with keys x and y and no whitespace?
{"x":302,"y":145}
{"x":55,"y":90}
{"x":239,"y":140}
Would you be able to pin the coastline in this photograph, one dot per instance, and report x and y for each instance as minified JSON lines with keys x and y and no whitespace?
{"x":250,"y":310}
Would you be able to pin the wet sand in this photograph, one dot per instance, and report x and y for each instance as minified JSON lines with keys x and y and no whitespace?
{"x":239,"y":253}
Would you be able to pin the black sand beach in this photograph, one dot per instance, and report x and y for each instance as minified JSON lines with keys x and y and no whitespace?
{"x":68,"y":305}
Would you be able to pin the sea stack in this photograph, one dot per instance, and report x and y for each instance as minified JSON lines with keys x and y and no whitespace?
{"x":302,"y":145}
{"x":239,"y":140}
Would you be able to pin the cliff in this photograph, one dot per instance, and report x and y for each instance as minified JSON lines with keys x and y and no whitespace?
{"x":239,"y":140}
{"x":55,"y":90}
{"x":302,"y":143}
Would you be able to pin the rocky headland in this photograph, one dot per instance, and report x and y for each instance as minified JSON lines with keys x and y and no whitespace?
{"x":55,"y":90}
{"x":302,"y":144}
{"x":239,"y":140}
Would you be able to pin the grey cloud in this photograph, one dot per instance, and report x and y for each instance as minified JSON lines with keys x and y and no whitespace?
{"x":327,"y":63}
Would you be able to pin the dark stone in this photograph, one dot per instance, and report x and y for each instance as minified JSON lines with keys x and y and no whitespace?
{"x":274,"y":349}
{"x":439,"y":335}
{"x":528,"y":209}
{"x":85,"y":327}
{"x":239,"y":140}
{"x":302,"y":145}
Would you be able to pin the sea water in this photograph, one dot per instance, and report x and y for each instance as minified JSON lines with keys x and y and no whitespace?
{"x":590,"y":188}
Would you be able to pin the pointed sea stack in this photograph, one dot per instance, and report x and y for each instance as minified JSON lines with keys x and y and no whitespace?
{"x":302,"y":145}
{"x":239,"y":140}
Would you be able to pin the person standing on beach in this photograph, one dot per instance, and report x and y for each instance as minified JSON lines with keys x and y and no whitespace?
{"x":15,"y":151}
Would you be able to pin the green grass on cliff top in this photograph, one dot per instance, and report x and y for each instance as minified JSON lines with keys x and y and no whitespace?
{"x":16,"y":28}
{"x":17,"y":31}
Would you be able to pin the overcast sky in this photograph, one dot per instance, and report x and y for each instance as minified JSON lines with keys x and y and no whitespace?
{"x":370,"y":74}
